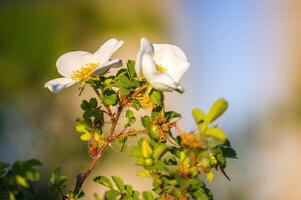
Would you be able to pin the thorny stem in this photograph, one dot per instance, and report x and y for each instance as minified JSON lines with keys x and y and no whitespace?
{"x":111,"y":137}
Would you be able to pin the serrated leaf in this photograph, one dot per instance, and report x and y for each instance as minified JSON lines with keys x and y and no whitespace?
{"x":85,"y":105}
{"x":171,"y":115}
{"x":119,"y":183}
{"x":136,"y":104}
{"x":124,"y":81}
{"x":228,"y":152}
{"x":145,"y":120}
{"x":155,"y":112}
{"x":103,"y":181}
{"x":93,"y":103}
{"x":111,"y":194}
{"x":131,"y":68}
{"x":109,"y":97}
{"x":129,"y":113}
{"x":148,"y":196}
{"x":156,"y":97}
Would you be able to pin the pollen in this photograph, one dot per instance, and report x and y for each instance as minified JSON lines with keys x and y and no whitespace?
{"x":160,"y":68}
{"x":85,"y":72}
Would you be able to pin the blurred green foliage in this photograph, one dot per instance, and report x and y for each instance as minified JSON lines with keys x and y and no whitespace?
{"x":34,"y":33}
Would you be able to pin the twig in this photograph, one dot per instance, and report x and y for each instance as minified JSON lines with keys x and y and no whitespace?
{"x":111,"y":137}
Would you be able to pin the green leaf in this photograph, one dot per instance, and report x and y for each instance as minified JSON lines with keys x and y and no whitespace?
{"x":119,"y":183}
{"x":217,"y":133}
{"x":87,"y":114}
{"x":32,"y":175}
{"x":131,"y":68}
{"x":85,"y":105}
{"x":3,"y":166}
{"x":148,"y":196}
{"x":109,"y":97}
{"x":156,"y":97}
{"x":129,"y":113}
{"x":103,"y":181}
{"x":111,"y":194}
{"x":124,"y":91}
{"x":199,"y":118}
{"x":216,"y":110}
{"x":124,"y":81}
{"x":108,"y":83}
{"x":55,"y":175}
{"x":135,"y":83}
{"x":136,"y":104}
{"x":21,"y":181}
{"x":160,"y":150}
{"x":93,"y":103}
{"x":144,"y":174}
{"x":228,"y":152}
{"x":86,"y":137}
{"x":145,"y":120}
{"x":32,"y":163}
{"x":129,"y":190}
{"x":171,"y":115}
{"x":155,"y":112}
{"x":136,"y":151}
{"x":81,"y":128}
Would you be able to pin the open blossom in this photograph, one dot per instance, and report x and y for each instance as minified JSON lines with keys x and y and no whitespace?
{"x":162,"y":65}
{"x":80,"y":66}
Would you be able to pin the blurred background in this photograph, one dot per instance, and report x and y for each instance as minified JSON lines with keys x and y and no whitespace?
{"x":248,"y":52}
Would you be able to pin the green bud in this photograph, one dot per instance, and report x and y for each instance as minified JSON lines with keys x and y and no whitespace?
{"x":146,"y":149}
{"x":193,"y":171}
{"x":217,"y":133}
{"x":212,"y":159}
{"x":148,"y":162}
{"x":159,"y":151}
{"x":216,"y":110}
{"x":199,"y":118}
{"x":154,"y":131}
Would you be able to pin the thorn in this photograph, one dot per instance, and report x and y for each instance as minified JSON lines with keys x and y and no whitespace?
{"x":223,"y":171}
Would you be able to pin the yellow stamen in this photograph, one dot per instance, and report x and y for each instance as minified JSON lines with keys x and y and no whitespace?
{"x":145,"y":101}
{"x":85,"y":72}
{"x":161,"y":68}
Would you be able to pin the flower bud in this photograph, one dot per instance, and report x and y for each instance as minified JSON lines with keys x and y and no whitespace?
{"x":154,"y":131}
{"x":159,"y":151}
{"x":148,"y":162}
{"x":146,"y":149}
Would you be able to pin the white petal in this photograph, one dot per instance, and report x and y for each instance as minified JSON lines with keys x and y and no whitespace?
{"x":115,"y":63}
{"x":173,"y":58}
{"x":138,"y":65}
{"x":59,"y":84}
{"x":72,"y":61}
{"x":164,"y":82}
{"x":105,"y":52}
{"x":146,"y":46}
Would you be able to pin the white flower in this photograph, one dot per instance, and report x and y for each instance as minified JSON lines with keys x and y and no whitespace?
{"x":79,"y":66}
{"x":162,"y":65}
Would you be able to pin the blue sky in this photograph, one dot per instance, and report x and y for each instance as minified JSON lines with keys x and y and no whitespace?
{"x":238,"y":50}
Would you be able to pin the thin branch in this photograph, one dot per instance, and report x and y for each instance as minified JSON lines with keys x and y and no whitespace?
{"x":111,"y":137}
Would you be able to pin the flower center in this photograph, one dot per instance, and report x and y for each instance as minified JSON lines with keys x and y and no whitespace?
{"x":85,"y":72}
{"x":161,"y":68}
